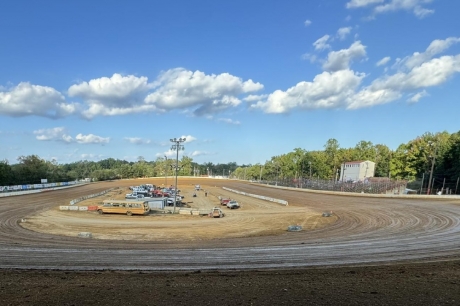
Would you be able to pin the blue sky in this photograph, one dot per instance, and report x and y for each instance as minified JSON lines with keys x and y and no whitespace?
{"x":241,"y":80}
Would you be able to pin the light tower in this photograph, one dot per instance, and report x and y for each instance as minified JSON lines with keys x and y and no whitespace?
{"x":176,"y":146}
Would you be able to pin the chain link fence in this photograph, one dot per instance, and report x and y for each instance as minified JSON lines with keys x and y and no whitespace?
{"x":371,"y":185}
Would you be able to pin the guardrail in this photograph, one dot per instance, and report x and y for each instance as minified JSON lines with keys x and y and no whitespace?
{"x":8,"y":191}
{"x":282,"y":202}
{"x":75,"y":201}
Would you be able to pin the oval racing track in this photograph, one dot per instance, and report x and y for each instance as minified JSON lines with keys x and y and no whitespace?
{"x":368,"y":231}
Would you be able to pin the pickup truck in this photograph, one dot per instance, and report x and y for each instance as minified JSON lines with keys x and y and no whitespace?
{"x":233,"y":204}
{"x":224,"y":201}
{"x":170,"y":201}
{"x":133,"y":196}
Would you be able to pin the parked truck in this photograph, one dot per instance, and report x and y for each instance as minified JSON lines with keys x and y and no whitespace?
{"x":216,"y":212}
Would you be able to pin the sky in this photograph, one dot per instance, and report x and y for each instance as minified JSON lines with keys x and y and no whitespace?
{"x":240,"y":81}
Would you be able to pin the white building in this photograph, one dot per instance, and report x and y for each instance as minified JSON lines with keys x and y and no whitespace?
{"x":357,"y":170}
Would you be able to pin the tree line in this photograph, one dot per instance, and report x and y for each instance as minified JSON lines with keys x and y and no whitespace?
{"x":439,"y":153}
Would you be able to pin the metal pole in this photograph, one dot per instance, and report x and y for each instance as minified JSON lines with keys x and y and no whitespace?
{"x":177,"y":146}
{"x":443,"y":183}
{"x":421,"y":187}
{"x":166,"y":171}
{"x":456,"y":185}
{"x":175,"y":189}
{"x":432,"y":168}
{"x":260,"y":176}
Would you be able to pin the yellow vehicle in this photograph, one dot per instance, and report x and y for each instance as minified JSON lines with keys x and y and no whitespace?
{"x":124,"y":207}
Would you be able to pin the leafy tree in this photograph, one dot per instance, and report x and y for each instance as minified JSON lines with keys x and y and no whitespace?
{"x":331,"y":150}
{"x":30,"y":170}
{"x":5,"y":173}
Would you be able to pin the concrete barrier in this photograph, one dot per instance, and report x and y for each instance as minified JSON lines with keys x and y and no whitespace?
{"x":63,"y":207}
{"x":279,"y":201}
{"x":75,"y":201}
{"x":73,"y":207}
{"x":83,"y":208}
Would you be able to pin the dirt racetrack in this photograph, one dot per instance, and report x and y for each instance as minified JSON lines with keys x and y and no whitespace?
{"x":245,"y":258}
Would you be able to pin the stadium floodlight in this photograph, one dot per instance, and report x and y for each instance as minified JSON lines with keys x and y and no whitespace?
{"x":176,"y":146}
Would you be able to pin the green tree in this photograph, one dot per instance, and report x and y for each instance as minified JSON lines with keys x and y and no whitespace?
{"x":331,"y":150}
{"x":30,"y":170}
{"x":5,"y":173}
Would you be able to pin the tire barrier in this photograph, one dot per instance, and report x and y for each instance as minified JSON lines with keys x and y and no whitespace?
{"x":75,"y":201}
{"x":282,"y":202}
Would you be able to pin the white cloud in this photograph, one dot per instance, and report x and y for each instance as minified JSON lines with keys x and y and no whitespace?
{"x":310,"y":57}
{"x":188,"y":138}
{"x":199,"y":153}
{"x":436,"y":47}
{"x":431,"y":73}
{"x":253,"y":98}
{"x":86,"y":156}
{"x":362,"y":3}
{"x":26,"y":99}
{"x":138,"y":140}
{"x":379,"y":7}
{"x":116,"y":95}
{"x":307,"y":22}
{"x":341,"y":87}
{"x":207,"y":94}
{"x":328,"y":90}
{"x":370,"y":97}
{"x":422,"y":12}
{"x":57,"y":134}
{"x":390,"y":88}
{"x":91,"y":138}
{"x":229,"y":121}
{"x":416,"y":97}
{"x":342,"y":33}
{"x":170,"y":154}
{"x":408,"y":5}
{"x":383,"y":61}
{"x":321,"y":43}
{"x":340,"y":60}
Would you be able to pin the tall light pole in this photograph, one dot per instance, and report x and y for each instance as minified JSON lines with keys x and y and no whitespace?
{"x":166,"y":171}
{"x":432,"y":165}
{"x":310,"y":168}
{"x":176,"y":146}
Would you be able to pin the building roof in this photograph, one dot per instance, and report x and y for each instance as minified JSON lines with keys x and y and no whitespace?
{"x":357,"y":162}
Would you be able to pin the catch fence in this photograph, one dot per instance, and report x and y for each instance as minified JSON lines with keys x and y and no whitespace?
{"x":377,"y":186}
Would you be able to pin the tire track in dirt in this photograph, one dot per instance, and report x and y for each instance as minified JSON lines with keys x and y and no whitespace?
{"x":366,"y":231}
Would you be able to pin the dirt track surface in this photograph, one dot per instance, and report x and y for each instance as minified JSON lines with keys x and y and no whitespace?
{"x":364,"y":231}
